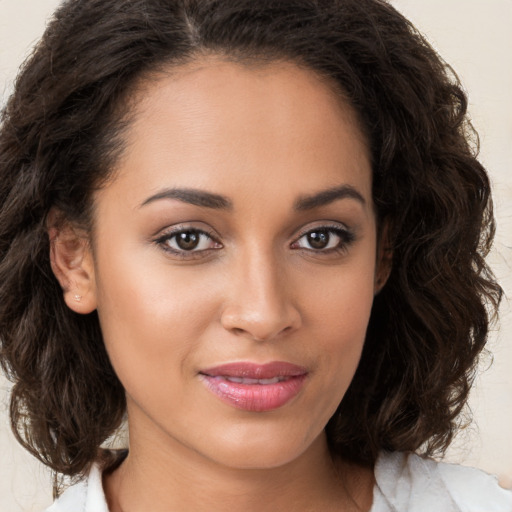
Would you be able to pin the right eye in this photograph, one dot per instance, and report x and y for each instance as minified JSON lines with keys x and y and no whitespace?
{"x":182,"y":241}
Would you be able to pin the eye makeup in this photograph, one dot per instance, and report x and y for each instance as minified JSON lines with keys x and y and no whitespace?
{"x":187,"y":242}
{"x":326,"y":239}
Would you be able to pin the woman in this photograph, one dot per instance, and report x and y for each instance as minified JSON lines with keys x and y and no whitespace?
{"x":256,"y":229}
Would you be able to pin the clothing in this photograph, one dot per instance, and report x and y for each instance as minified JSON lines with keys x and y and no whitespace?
{"x":404,"y":483}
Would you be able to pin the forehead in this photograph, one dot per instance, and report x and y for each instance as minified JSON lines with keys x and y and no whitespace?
{"x":276,"y":127}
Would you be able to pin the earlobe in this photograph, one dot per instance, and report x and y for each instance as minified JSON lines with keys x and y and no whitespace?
{"x":72,"y":263}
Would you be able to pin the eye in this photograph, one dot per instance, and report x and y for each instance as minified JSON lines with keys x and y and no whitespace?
{"x":325,"y":239}
{"x":181,"y":241}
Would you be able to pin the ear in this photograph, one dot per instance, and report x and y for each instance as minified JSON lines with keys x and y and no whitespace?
{"x":384,"y":262}
{"x":72,"y":263}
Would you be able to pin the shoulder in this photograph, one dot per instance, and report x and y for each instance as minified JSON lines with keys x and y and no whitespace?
{"x":84,"y":496}
{"x":405,"y":481}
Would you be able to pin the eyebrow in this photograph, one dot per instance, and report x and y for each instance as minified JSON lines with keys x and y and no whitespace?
{"x":193,"y":196}
{"x":219,"y":202}
{"x":328,"y":196}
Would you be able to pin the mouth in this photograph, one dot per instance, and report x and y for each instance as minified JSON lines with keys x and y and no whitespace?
{"x":254,"y":387}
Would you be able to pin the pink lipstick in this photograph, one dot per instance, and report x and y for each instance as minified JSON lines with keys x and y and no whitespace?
{"x":255,"y":387}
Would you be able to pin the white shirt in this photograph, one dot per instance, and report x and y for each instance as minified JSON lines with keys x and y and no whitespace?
{"x":404,"y":483}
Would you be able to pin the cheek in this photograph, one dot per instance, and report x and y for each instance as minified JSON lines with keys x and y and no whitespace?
{"x":336,"y":315}
{"x":149,"y":313}
{"x":339,"y":302}
{"x":342,"y":328}
{"x":338,"y":312}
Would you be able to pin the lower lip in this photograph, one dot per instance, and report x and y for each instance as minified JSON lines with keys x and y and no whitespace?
{"x":255,"y":397}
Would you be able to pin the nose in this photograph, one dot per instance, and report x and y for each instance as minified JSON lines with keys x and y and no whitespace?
{"x":260,"y":304}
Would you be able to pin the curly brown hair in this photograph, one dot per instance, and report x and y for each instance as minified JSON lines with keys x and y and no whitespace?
{"x":62,"y":132}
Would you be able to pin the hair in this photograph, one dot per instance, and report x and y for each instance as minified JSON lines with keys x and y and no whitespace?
{"x":61,"y":134}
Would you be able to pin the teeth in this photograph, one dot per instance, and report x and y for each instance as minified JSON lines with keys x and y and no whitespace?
{"x":274,"y":380}
{"x":249,"y":381}
{"x":238,"y":380}
{"x":245,"y":380}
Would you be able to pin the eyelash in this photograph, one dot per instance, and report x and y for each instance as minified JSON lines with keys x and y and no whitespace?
{"x":345,"y":235}
{"x":346,"y":238}
{"x":164,"y":240}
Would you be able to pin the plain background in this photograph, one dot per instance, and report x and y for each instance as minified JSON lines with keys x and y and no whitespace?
{"x":474,"y":36}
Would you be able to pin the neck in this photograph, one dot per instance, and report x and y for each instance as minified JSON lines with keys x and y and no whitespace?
{"x":176,"y":478}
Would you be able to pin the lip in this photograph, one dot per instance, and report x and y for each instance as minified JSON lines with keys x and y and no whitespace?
{"x":255,"y":387}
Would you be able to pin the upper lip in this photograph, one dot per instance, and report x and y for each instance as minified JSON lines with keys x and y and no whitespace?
{"x":251,"y":370}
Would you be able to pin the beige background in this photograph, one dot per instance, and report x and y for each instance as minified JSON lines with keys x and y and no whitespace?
{"x":474,"y":36}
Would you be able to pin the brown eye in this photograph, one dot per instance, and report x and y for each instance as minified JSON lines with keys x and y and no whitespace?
{"x":318,"y":239}
{"x":325,"y":239}
{"x":187,"y":240}
{"x":192,"y":241}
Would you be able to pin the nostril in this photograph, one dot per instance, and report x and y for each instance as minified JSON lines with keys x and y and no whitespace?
{"x":251,"y":333}
{"x":260,"y":320}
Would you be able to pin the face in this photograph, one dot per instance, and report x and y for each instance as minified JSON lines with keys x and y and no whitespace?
{"x":234,"y":261}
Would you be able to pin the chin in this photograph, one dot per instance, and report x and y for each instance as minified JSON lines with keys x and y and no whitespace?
{"x":262,"y":450}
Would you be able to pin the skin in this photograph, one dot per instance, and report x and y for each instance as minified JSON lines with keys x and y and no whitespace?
{"x":263,"y":137}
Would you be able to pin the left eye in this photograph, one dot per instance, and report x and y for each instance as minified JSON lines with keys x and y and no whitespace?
{"x":324,"y":239}
{"x":189,"y":240}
